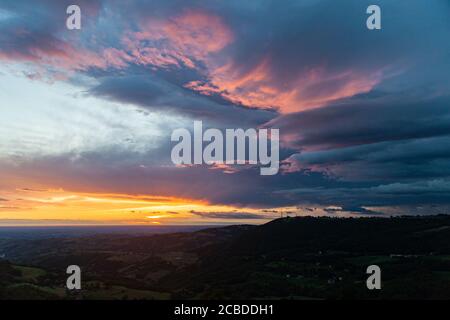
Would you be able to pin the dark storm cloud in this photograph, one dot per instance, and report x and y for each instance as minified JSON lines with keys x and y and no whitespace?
{"x":374,"y":137}
{"x":395,"y":194}
{"x":355,"y":210}
{"x":159,"y":94}
{"x":367,"y":119}
{"x":228,"y":215}
{"x":399,"y":160}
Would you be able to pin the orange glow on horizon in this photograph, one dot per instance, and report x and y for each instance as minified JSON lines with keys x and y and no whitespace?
{"x":60,"y":207}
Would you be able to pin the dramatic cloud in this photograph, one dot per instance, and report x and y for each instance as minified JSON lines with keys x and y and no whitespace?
{"x":159,"y":94}
{"x":366,"y":119}
{"x":363,"y":115}
{"x":229,"y":215}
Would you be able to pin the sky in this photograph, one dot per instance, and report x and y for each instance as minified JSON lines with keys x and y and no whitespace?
{"x":86,"y":115}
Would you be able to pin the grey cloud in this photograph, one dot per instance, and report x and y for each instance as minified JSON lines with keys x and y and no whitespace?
{"x":354,"y":210}
{"x":158,"y":94}
{"x":228,"y":215}
{"x":366,"y":119}
{"x":403,"y":159}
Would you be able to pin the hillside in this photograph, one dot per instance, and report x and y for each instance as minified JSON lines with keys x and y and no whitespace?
{"x":290,"y":258}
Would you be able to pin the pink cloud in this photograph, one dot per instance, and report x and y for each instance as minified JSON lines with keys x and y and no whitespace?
{"x":186,"y":39}
{"x":259,"y":88}
{"x":197,"y":40}
{"x":50,"y":51}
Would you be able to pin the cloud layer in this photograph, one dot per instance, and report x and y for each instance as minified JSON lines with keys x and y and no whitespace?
{"x":363,"y":115}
